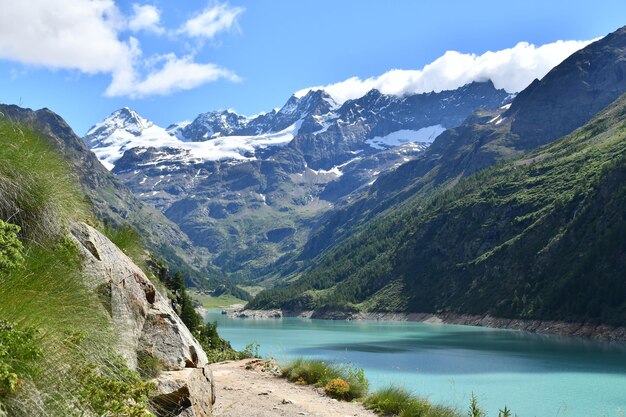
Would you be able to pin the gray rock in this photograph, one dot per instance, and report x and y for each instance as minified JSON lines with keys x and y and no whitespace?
{"x":186,"y":393}
{"x":143,"y":319}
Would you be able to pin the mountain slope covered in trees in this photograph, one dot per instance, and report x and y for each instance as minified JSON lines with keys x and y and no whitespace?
{"x":542,"y":236}
{"x":565,"y":99}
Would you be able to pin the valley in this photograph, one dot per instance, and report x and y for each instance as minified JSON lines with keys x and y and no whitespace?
{"x":312,"y":208}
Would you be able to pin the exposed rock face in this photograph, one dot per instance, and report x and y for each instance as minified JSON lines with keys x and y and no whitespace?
{"x":569,"y":95}
{"x":146,"y":323}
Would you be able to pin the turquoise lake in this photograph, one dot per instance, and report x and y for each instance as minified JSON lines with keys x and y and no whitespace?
{"x":534,"y":375}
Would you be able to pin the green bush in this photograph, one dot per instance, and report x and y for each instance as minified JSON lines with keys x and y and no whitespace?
{"x":218,"y":349}
{"x":114,"y":391}
{"x":11,"y":248}
{"x":18,"y":355}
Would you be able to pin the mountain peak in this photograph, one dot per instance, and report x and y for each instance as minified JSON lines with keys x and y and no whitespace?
{"x":213,"y":124}
{"x":124,"y":118}
{"x":572,"y":92}
{"x":313,"y":102}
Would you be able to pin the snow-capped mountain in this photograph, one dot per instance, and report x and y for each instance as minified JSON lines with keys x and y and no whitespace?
{"x":251,"y":187}
{"x":125,"y":130}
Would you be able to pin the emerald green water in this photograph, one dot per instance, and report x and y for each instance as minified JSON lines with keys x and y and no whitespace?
{"x":534,"y":375}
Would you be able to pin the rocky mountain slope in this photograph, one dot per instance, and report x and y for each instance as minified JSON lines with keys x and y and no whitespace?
{"x":250,"y":189}
{"x":147,"y":326}
{"x":84,"y":332}
{"x":565,"y":99}
{"x":539,"y":237}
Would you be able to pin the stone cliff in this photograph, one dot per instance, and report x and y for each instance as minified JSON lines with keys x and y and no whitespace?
{"x":147,"y":326}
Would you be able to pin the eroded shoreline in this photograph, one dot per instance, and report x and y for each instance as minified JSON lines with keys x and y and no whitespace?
{"x":581,"y":330}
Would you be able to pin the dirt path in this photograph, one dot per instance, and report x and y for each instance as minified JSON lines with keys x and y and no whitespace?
{"x":246,"y":389}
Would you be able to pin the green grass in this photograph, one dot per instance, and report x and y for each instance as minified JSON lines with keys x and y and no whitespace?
{"x":392,"y":401}
{"x":71,"y":327}
{"x":321,"y":373}
{"x":251,"y":289}
{"x":37,"y":190}
{"x":128,"y":240}
{"x":397,"y":401}
{"x":210,"y":302}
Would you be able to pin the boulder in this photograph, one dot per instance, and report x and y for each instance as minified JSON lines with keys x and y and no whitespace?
{"x":186,"y":393}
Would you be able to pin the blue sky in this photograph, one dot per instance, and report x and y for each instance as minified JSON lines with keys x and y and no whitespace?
{"x":171,"y":60}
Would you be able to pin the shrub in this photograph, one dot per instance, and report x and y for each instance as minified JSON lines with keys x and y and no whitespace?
{"x":218,"y":349}
{"x":337,"y":388}
{"x":115,"y":390}
{"x":10,"y":246}
{"x":18,"y":353}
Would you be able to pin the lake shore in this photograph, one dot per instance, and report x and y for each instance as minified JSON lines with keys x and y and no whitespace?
{"x":582,"y":330}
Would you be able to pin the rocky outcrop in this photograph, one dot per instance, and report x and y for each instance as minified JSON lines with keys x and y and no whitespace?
{"x":185,"y":393}
{"x":146,"y":324}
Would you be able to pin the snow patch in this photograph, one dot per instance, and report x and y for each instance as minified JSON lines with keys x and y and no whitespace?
{"x":401,"y":137}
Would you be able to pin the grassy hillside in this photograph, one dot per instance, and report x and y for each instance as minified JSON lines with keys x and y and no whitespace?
{"x":55,"y":358}
{"x":543,"y":236}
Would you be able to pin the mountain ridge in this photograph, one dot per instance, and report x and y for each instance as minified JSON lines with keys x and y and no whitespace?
{"x":236,"y":195}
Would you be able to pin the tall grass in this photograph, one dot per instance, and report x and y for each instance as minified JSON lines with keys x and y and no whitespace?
{"x":129,"y":241}
{"x":397,"y":401}
{"x":47,"y":294}
{"x":37,"y":190}
{"x":349,"y":383}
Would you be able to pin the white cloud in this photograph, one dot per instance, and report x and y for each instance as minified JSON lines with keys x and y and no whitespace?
{"x":68,"y":34}
{"x":212,"y":20}
{"x":512,"y":69}
{"x":84,"y":35}
{"x":175,"y":74}
{"x":145,"y":17}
